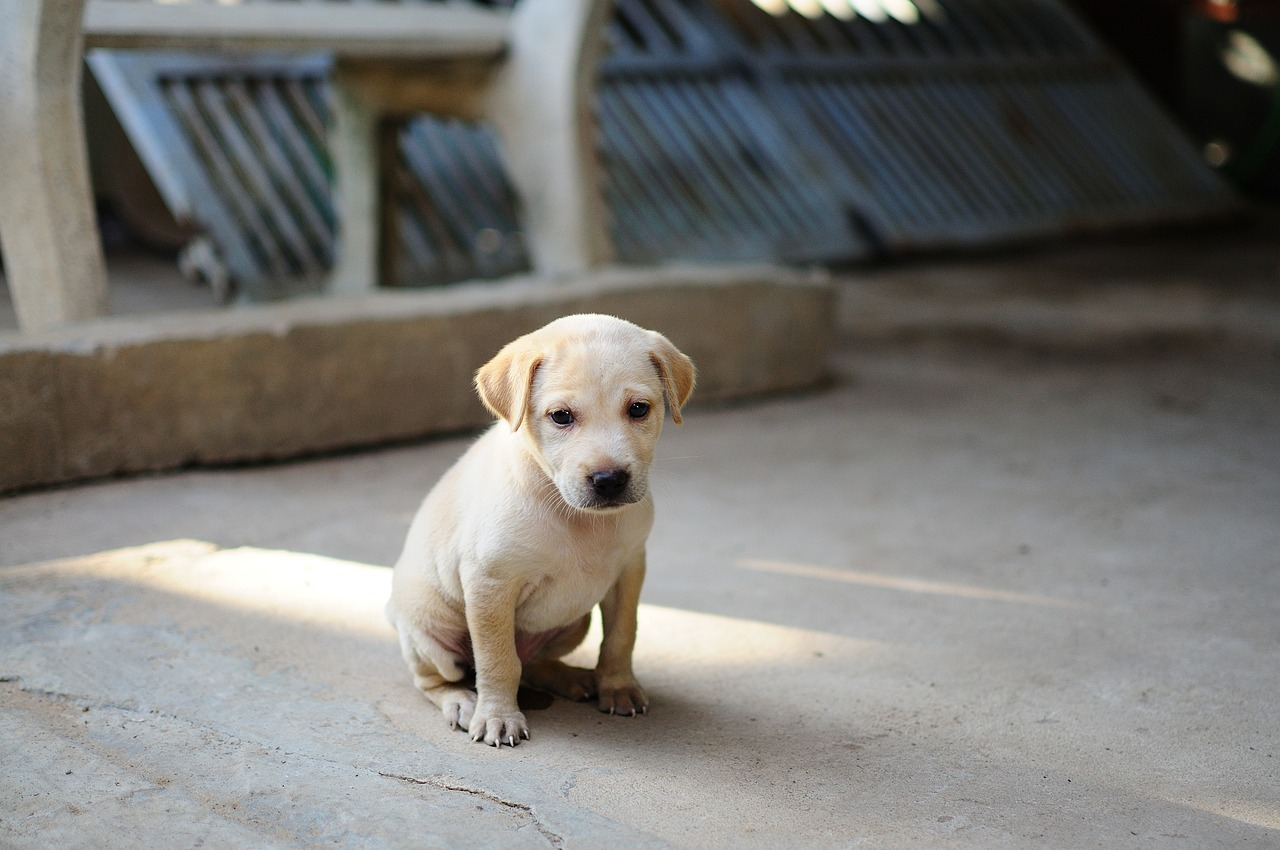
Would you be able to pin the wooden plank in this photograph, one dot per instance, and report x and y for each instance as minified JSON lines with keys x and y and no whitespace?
{"x":436,"y":31}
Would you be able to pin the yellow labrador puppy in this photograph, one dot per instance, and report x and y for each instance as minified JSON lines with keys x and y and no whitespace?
{"x":543,"y":518}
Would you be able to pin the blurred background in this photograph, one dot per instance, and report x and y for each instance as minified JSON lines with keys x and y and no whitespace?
{"x":833,"y":132}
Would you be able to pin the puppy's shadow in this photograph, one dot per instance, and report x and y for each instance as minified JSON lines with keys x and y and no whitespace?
{"x":674,"y":722}
{"x":531,"y":700}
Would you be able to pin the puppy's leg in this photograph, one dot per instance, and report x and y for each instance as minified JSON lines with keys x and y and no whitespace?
{"x":616,"y":685}
{"x":546,"y":672}
{"x":491,"y":620}
{"x":436,"y":672}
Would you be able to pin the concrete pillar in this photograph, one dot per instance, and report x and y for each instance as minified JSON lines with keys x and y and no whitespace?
{"x":541,"y":105}
{"x":48,"y":232}
{"x":353,"y":144}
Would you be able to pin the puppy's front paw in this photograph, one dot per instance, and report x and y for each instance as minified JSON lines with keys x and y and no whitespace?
{"x":622,"y":696}
{"x":497,"y":726}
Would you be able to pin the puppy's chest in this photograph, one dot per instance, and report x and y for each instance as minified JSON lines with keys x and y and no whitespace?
{"x":570,"y":580}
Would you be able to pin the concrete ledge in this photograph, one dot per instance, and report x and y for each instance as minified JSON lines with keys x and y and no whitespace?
{"x":130,"y":395}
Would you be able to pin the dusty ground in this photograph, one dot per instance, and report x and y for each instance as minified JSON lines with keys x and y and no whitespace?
{"x":1011,"y":580}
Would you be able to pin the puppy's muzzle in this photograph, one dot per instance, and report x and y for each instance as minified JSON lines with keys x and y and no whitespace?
{"x":610,"y":486}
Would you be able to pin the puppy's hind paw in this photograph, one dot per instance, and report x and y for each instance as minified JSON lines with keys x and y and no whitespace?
{"x":627,"y":699}
{"x":458,"y":709}
{"x":559,"y":679}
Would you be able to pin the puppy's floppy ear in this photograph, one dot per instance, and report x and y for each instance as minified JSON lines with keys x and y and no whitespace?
{"x":677,"y":372}
{"x":505,"y":382}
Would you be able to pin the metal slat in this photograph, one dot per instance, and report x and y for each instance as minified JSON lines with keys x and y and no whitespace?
{"x":653,"y":36}
{"x":677,"y":168}
{"x":931,"y":165}
{"x":639,"y":183}
{"x":415,"y":198}
{"x":310,"y":159}
{"x":1068,"y":135}
{"x":309,"y":105}
{"x":859,"y":105}
{"x":958,"y":179}
{"x":436,"y":178}
{"x":800,"y":205}
{"x":257,"y":181}
{"x":421,"y":256}
{"x":1032,"y":186}
{"x":316,"y":232}
{"x":253,"y":223}
{"x":478,"y":154}
{"x":654,"y":127}
{"x":737,"y":187}
{"x":952,"y":152}
{"x":845,"y":137}
{"x":467,"y":203}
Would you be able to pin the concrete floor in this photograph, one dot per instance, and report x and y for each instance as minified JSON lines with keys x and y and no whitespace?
{"x":1012,"y":580}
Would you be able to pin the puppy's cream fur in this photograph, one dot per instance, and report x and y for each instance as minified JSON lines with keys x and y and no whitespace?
{"x":542,"y":519}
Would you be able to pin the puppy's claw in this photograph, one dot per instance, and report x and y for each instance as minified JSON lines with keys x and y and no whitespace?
{"x":499,"y":729}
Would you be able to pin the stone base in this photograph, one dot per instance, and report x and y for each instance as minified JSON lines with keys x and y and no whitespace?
{"x":131,"y":395}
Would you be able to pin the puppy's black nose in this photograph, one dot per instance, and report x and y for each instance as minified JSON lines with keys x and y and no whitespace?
{"x":609,"y":484}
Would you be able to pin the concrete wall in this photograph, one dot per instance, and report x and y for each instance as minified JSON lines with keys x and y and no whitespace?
{"x":130,"y":395}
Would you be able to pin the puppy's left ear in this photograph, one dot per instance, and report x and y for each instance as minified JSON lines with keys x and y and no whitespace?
{"x":677,"y":372}
{"x":505,"y":382}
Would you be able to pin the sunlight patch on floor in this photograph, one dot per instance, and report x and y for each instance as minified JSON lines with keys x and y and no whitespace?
{"x":344,"y":596}
{"x":903,"y":583}
{"x":1262,"y":815}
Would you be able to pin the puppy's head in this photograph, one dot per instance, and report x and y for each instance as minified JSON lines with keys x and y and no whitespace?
{"x":588,"y":393}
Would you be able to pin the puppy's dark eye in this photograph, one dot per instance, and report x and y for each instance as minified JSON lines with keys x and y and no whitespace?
{"x":638,"y":409}
{"x":561,"y":417}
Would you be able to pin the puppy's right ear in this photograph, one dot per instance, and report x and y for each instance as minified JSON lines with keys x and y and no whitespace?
{"x":505,"y":382}
{"x":676,"y":371}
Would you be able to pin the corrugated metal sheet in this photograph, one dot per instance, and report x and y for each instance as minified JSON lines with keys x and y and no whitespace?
{"x":452,"y":210}
{"x":238,"y":147}
{"x":726,"y":132}
{"x":956,"y":123}
{"x":698,"y":165}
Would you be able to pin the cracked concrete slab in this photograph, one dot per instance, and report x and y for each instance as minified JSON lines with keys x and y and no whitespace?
{"x":995,"y":589}
{"x":968,"y":596}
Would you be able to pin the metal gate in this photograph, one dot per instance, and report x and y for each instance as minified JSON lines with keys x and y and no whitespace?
{"x":898,"y":125}
{"x":730,"y":130}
